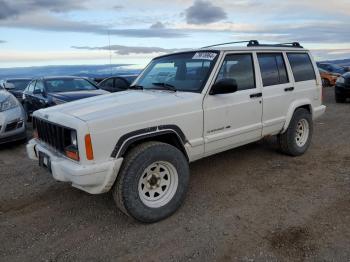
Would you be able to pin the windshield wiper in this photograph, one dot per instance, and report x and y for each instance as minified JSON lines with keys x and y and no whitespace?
{"x":165,"y":86}
{"x":137,"y":87}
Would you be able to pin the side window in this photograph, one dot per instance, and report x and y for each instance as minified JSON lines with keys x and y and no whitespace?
{"x":273,"y":69}
{"x":108,"y":84}
{"x":121,"y":84}
{"x":240,"y":68}
{"x":31,"y":86}
{"x":39,"y":86}
{"x":302,"y":67}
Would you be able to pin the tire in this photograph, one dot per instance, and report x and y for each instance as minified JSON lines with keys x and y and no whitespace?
{"x":149,"y":169}
{"x":339,"y":99}
{"x":296,"y":143}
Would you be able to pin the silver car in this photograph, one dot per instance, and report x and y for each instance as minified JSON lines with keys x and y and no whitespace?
{"x":12,"y":118}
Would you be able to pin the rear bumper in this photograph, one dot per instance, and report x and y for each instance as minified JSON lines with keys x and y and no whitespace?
{"x":95,"y":178}
{"x":318,"y":111}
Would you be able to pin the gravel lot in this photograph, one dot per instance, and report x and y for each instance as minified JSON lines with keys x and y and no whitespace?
{"x":247,"y":204}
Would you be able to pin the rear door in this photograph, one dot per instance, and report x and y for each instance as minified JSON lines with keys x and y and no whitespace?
{"x":277,"y":90}
{"x":234,"y":119}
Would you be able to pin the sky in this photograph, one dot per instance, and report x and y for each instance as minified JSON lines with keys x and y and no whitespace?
{"x":77,"y":32}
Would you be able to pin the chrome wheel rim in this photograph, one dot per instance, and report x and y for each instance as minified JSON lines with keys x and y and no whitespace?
{"x":158,"y":184}
{"x":302,"y":132}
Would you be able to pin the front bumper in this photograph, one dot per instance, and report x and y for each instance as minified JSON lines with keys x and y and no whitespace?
{"x":94,"y":178}
{"x":12,"y":125}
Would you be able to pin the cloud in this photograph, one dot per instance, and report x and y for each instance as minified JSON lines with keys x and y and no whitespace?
{"x":204,"y":12}
{"x":158,"y":25}
{"x":57,"y":24}
{"x":127,"y":50}
{"x":2,"y":41}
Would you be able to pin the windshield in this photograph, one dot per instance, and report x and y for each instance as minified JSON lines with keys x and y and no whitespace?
{"x":68,"y":85}
{"x":19,"y":84}
{"x":182,"y":72}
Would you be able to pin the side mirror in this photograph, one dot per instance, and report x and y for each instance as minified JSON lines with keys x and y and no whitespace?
{"x":37,"y":92}
{"x":224,"y":86}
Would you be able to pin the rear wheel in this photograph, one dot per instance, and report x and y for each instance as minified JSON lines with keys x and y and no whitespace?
{"x":152,"y":182}
{"x":297,"y":138}
{"x":339,"y":98}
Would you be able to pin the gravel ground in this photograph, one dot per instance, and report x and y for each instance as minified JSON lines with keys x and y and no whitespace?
{"x":247,"y":204}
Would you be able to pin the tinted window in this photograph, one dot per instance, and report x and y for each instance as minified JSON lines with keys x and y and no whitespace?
{"x":31,"y":86}
{"x":121,"y":84}
{"x":68,"y":85}
{"x":273,"y":69}
{"x":39,"y":86}
{"x":302,"y":67}
{"x":19,"y":84}
{"x":107,"y":84}
{"x":240,"y":68}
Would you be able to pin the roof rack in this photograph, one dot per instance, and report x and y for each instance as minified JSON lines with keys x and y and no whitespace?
{"x":252,"y":43}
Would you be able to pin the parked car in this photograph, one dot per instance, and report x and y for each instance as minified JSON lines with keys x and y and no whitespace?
{"x":342,"y":88}
{"x":332,"y":68}
{"x":50,"y":91}
{"x":117,"y":83}
{"x":12,"y":118}
{"x":16,"y":86}
{"x":328,"y":79}
{"x":139,"y":143}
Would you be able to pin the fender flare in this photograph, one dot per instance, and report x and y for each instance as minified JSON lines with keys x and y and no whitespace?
{"x":126,"y":140}
{"x":292,"y":108}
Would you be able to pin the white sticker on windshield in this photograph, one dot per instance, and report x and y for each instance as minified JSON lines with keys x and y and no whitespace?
{"x":205,"y":55}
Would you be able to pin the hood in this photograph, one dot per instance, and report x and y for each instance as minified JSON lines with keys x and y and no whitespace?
{"x":75,"y":95}
{"x":126,"y":103}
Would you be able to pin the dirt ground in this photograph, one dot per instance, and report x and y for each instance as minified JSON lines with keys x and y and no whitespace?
{"x":247,"y":204}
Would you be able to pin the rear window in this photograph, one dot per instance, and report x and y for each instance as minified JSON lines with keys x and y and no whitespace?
{"x":302,"y":67}
{"x":273,"y":69}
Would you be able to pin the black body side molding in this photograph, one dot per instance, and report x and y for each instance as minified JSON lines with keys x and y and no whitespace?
{"x":126,"y":140}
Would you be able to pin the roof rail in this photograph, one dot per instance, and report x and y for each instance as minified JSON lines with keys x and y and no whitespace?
{"x":252,"y":43}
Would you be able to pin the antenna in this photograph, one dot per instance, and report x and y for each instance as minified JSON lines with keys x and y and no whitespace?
{"x":250,"y":42}
{"x":110,"y":53}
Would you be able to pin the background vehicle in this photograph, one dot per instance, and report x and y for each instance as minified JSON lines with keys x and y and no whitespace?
{"x":16,"y":86}
{"x":342,"y":88}
{"x":328,"y":79}
{"x":332,"y":68}
{"x":12,"y":118}
{"x":50,"y":91}
{"x":117,"y":83}
{"x":184,"y":106}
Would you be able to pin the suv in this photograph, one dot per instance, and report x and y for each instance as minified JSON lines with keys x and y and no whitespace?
{"x":183,"y":107}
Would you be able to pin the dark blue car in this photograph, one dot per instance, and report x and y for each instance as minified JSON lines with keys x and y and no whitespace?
{"x":50,"y":91}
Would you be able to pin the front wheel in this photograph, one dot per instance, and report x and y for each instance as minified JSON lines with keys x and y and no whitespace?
{"x":297,"y":138}
{"x":152,"y":182}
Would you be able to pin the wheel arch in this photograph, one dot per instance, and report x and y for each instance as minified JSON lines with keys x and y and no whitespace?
{"x":169,"y":134}
{"x":305,"y":103}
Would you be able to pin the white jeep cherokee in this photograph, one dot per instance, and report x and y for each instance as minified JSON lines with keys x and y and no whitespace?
{"x":183,"y":107}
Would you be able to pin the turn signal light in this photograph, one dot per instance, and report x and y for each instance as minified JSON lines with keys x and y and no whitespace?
{"x":72,"y":153}
{"x":88,"y":148}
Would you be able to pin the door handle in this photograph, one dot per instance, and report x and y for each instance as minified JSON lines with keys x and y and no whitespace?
{"x":256,"y":95}
{"x":289,"y":89}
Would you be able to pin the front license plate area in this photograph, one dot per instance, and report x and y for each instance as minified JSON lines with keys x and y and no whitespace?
{"x":44,"y":161}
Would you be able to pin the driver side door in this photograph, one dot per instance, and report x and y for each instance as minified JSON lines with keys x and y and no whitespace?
{"x":234,"y":119}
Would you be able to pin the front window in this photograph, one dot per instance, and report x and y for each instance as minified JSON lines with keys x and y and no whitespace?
{"x":18,"y":84}
{"x":186,"y":72}
{"x":68,"y":85}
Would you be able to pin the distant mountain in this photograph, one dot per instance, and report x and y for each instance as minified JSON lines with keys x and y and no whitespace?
{"x":341,"y":62}
{"x":92,"y":71}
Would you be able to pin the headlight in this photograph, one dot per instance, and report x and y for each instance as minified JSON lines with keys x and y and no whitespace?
{"x":341,"y":80}
{"x":8,"y":103}
{"x":73,"y":138}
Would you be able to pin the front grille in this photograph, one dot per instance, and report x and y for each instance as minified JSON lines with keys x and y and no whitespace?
{"x":12,"y":126}
{"x":55,"y":135}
